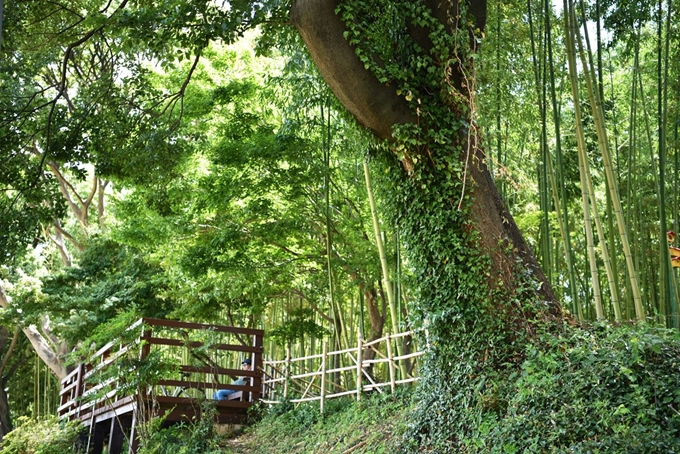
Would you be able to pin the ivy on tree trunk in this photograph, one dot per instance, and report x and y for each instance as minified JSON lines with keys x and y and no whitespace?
{"x":418,"y":95}
{"x":405,"y":70}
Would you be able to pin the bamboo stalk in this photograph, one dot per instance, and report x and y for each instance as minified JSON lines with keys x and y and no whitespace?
{"x":287,"y":377}
{"x":390,"y":362}
{"x":341,"y":369}
{"x":605,"y":252}
{"x":598,"y":116}
{"x":582,"y":156}
{"x":311,"y":382}
{"x":616,"y":294}
{"x":306,"y":375}
{"x":631,"y":156}
{"x":542,"y":173}
{"x":393,"y":336}
{"x":669,"y":276}
{"x":383,"y":262}
{"x":559,"y":190}
{"x":676,"y":168}
{"x":609,"y":269}
{"x":410,"y":355}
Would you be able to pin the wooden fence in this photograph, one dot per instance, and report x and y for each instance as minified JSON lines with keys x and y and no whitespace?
{"x":320,"y":377}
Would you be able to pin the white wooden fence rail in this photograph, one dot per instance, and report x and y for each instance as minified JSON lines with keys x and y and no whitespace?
{"x":280,"y":373}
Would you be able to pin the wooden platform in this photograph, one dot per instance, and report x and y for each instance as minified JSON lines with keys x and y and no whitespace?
{"x":210,"y":354}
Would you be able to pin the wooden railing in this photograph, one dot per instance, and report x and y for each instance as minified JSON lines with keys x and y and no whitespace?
{"x":316,"y":378}
{"x":166,"y":361}
{"x":171,"y":363}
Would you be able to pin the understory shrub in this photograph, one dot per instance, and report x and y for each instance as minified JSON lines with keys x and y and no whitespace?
{"x":43,"y":436}
{"x":194,"y":437}
{"x":601,"y":389}
{"x":607,"y":389}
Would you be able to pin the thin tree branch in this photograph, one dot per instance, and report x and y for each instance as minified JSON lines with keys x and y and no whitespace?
{"x":68,"y":236}
{"x":6,"y":356}
{"x":179,"y":96}
{"x":62,"y":83}
{"x":313,"y":306}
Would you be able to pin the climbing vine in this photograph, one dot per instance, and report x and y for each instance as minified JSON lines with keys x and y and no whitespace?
{"x":476,"y":326}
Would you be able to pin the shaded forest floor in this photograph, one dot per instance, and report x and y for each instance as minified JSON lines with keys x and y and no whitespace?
{"x":374,"y":425}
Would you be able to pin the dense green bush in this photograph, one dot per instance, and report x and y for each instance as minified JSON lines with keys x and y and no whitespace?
{"x":195,"y":437}
{"x":43,"y":436}
{"x":598,"y":390}
{"x":609,"y":389}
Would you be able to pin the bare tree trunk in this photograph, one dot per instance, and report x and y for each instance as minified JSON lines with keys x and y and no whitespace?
{"x":376,"y":319}
{"x":5,"y":419}
{"x":101,"y":193}
{"x":58,"y":240}
{"x":50,"y":354}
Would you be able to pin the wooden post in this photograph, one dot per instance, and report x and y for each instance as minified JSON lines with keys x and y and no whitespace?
{"x":98,"y":434}
{"x":323,"y":375}
{"x":287,"y":373}
{"x":388,"y":340}
{"x":117,"y":434}
{"x":134,"y":436}
{"x":79,"y":389}
{"x":147,"y":331}
{"x":256,"y":358}
{"x":359,"y":368}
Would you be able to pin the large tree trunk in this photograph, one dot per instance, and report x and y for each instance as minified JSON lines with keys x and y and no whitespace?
{"x":480,"y":292}
{"x":374,"y":105}
{"x":377,"y":106}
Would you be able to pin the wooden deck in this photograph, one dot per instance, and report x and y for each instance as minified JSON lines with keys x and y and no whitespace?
{"x":177,"y":366}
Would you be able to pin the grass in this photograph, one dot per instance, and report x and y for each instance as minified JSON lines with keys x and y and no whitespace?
{"x":374,"y":425}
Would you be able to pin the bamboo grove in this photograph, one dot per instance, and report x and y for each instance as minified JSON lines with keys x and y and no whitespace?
{"x":596,"y":135}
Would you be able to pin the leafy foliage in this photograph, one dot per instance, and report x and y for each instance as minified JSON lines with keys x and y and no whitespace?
{"x":603,"y":389}
{"x":77,"y":88}
{"x":299,"y":326}
{"x":195,"y":437}
{"x":111,"y":279}
{"x":227,"y":212}
{"x":47,"y":436}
